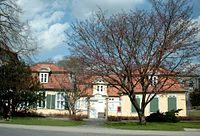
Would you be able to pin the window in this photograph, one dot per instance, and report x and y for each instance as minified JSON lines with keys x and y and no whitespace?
{"x":44,"y":77}
{"x":50,"y":101}
{"x":41,"y":101}
{"x":191,"y":83}
{"x":153,"y":80}
{"x":154,"y":105}
{"x":172,"y":102}
{"x":100,"y":88}
{"x":82,"y":104}
{"x":78,"y":104}
{"x":113,"y":104}
{"x":60,"y":100}
{"x":132,"y":107}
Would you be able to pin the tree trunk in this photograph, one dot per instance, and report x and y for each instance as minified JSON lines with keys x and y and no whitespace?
{"x":70,"y":112}
{"x":73,"y":111}
{"x":142,"y":118}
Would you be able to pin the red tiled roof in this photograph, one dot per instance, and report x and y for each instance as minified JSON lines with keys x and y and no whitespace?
{"x":57,"y":80}
{"x":60,"y":80}
{"x":52,"y":67}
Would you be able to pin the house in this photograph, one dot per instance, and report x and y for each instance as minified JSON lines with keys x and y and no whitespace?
{"x":102,"y":99}
{"x":51,"y":78}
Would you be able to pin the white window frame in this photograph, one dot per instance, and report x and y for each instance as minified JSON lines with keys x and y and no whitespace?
{"x":44,"y":77}
{"x":113,"y":103}
{"x":153,"y":80}
{"x":100,"y":88}
{"x":60,"y":100}
{"x":81,"y":104}
{"x":78,"y":104}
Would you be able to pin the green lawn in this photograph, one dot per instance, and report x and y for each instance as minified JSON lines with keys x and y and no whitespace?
{"x":194,"y":113}
{"x":153,"y":126}
{"x":119,"y":125}
{"x":42,"y":121}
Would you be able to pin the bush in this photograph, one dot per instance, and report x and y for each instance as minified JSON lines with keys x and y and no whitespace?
{"x":129,"y":117}
{"x":77,"y":117}
{"x":114,"y":118}
{"x":196,"y":107}
{"x":163,"y":117}
{"x":26,"y":114}
{"x":171,"y":116}
{"x":156,"y":117}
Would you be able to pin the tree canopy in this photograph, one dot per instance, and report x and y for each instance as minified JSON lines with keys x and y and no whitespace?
{"x":135,"y":45}
{"x":15,"y":35}
{"x":18,"y":86}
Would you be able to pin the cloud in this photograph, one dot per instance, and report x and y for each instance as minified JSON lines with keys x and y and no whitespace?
{"x":58,"y":57}
{"x":47,"y":21}
{"x":53,"y":36}
{"x":42,"y":22}
{"x":197,"y":23}
{"x":81,"y":9}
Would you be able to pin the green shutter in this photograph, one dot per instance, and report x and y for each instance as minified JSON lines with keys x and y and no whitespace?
{"x":48,"y":101}
{"x":132,"y":107}
{"x":154,"y":105}
{"x":53,"y":102}
{"x":172,"y":103}
{"x":35,"y":105}
{"x":66,"y":103}
{"x":40,"y":100}
{"x":43,"y":97}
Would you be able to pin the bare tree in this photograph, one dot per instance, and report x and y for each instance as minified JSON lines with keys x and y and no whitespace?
{"x":129,"y":49}
{"x":15,"y":35}
{"x":16,"y":44}
{"x":76,"y":84}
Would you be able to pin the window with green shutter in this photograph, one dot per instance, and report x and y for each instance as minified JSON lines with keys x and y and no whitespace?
{"x":50,"y":101}
{"x":154,"y":105}
{"x":172,"y":102}
{"x":132,"y":107}
{"x":53,"y":101}
{"x":41,"y":101}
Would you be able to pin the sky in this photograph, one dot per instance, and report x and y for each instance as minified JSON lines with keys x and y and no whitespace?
{"x":50,"y":19}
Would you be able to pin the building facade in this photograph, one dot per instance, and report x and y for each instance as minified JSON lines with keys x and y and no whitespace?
{"x":102,"y":100}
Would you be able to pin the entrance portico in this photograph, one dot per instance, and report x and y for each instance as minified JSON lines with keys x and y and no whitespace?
{"x":97,"y":106}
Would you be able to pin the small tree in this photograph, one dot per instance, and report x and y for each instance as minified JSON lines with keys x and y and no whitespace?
{"x":129,"y":49}
{"x":77,"y":85}
{"x":17,"y":86}
{"x":195,"y":97}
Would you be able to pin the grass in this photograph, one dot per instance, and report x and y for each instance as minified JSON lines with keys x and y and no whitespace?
{"x":119,"y":125}
{"x":153,"y":126}
{"x":42,"y":121}
{"x":194,"y":113}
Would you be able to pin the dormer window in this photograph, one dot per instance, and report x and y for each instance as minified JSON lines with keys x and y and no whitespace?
{"x":153,"y":80}
{"x":44,"y":77}
{"x":100,"y":88}
{"x":44,"y":74}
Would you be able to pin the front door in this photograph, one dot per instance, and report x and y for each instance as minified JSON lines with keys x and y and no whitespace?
{"x":93,"y":110}
{"x":97,"y":106}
